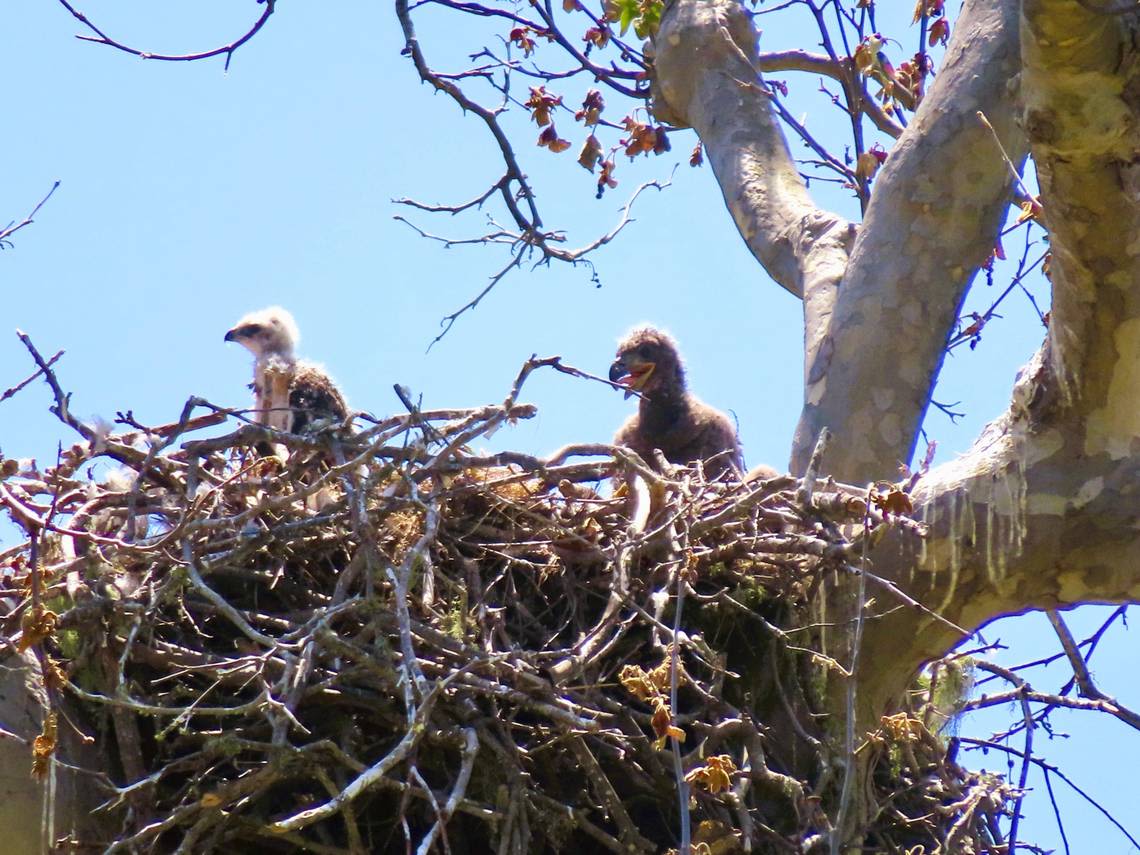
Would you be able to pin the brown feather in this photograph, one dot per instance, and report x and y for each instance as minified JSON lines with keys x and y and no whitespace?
{"x":314,"y":397}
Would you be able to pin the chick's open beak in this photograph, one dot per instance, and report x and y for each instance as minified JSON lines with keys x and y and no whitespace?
{"x":633,"y":377}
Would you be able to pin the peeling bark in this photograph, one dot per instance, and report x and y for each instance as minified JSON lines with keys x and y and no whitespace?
{"x":1026,"y":520}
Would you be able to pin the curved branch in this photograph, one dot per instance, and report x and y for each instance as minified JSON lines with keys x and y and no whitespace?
{"x":228,"y":50}
{"x":799,"y":60}
{"x":707,"y":78}
{"x":13,"y":227}
{"x":529,"y":224}
{"x":874,"y":347}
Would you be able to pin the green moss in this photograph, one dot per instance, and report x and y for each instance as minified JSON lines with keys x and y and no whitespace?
{"x":457,"y":621}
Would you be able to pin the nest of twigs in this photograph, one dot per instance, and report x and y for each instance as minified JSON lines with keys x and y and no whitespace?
{"x":376,"y":640}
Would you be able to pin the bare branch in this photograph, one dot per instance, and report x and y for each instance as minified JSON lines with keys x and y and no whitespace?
{"x":14,"y":227}
{"x":228,"y":50}
{"x":8,"y":393}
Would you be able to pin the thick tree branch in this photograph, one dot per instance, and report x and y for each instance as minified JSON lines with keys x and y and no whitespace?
{"x":1082,"y":94}
{"x":874,"y":346}
{"x":707,"y":78}
{"x":1026,"y":520}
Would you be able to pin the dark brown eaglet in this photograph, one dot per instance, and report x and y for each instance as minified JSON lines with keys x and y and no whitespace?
{"x":669,"y":417}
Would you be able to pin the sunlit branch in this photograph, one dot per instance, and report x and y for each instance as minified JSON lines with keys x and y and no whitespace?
{"x":800,"y":60}
{"x":522,"y":245}
{"x":14,"y":227}
{"x":102,"y":38}
{"x":477,"y":202}
{"x":529,"y":224}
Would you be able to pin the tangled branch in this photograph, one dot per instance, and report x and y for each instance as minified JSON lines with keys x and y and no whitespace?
{"x":375,"y":639}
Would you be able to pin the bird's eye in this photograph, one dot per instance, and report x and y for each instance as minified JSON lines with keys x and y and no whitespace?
{"x":644,"y":351}
{"x":251,"y":329}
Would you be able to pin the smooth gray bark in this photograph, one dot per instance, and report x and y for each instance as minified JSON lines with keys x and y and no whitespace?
{"x":1042,"y":511}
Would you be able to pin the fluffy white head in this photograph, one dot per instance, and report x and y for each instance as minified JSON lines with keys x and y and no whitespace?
{"x":267,"y":332}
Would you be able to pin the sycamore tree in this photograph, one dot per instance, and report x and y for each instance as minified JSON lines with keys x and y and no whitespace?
{"x":1041,"y":513}
{"x":963,"y":132}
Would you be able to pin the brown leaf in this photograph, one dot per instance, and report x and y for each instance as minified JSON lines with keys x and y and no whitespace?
{"x":662,"y":723}
{"x":939,"y":32}
{"x":1030,"y":210}
{"x":606,"y":179}
{"x":635,"y":681}
{"x":715,"y":776}
{"x":599,"y":37}
{"x":541,"y":103}
{"x":590,"y":153}
{"x":54,"y":675}
{"x":661,"y":675}
{"x":712,"y":837}
{"x":662,"y":718}
{"x":43,"y":747}
{"x":549,"y":139}
{"x":592,"y":106}
{"x":895,"y":502}
{"x":36,"y":624}
{"x":866,"y":165}
{"x":696,"y":158}
{"x":521,"y":37}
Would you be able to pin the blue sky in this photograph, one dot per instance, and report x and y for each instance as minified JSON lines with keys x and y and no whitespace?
{"x":190,"y":196}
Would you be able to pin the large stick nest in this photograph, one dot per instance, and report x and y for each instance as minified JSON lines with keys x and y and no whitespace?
{"x":377,"y":640}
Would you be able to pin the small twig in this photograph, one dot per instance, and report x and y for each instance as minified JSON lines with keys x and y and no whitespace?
{"x":1036,"y":761}
{"x":470,"y":749}
{"x":1056,"y":810}
{"x":913,"y":603}
{"x":807,"y":485}
{"x":837,"y":834}
{"x":1080,"y":667}
{"x":12,"y":228}
{"x":8,"y":393}
{"x":1013,"y":171}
